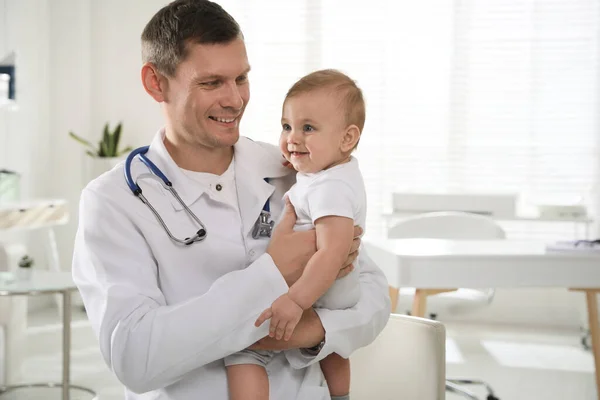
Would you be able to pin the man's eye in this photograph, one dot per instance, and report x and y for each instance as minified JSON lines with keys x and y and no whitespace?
{"x":211,"y":83}
{"x":286,"y":127}
{"x":308,"y":128}
{"x":242,"y":79}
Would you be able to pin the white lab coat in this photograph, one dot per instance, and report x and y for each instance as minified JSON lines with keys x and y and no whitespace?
{"x":167,"y":314}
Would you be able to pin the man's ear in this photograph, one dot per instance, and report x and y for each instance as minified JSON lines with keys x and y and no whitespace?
{"x":154,"y":82}
{"x":350,"y":138}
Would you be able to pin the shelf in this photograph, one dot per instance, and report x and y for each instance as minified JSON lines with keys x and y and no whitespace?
{"x":30,"y":215}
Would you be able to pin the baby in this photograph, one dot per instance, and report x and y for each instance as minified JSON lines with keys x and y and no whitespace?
{"x":322,"y":120}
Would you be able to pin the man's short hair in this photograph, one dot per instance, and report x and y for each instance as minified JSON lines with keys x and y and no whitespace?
{"x":166,"y":37}
{"x":339,"y":83}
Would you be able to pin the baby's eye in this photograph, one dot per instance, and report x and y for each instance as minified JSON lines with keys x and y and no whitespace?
{"x":286,"y":127}
{"x":308,"y":128}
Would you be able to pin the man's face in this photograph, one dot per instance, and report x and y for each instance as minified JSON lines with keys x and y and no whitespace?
{"x":206,"y":98}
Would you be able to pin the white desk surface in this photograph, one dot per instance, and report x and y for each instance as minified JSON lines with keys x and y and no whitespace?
{"x":435,"y":263}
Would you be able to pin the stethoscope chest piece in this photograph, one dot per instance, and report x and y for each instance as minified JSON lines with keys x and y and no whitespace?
{"x":263,"y":226}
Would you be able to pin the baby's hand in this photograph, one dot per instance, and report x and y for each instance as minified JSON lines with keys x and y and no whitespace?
{"x":284,"y":314}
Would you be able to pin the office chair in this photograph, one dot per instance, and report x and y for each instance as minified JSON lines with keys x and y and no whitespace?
{"x":406,"y":361}
{"x":454,"y":226}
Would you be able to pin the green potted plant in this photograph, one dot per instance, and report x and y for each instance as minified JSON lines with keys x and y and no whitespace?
{"x":107,"y":153}
{"x":25,"y":270}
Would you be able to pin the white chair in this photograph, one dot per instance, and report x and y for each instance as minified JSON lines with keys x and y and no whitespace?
{"x":406,"y":361}
{"x":455,"y":226}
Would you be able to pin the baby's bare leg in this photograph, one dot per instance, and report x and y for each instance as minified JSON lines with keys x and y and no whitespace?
{"x":337,"y":374}
{"x":247,"y":382}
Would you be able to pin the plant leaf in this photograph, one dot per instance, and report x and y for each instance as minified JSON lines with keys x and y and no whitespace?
{"x":91,"y":154}
{"x":105,"y":141}
{"x":103,"y":149}
{"x":117,"y":138}
{"x":82,"y":141}
{"x":110,"y":146}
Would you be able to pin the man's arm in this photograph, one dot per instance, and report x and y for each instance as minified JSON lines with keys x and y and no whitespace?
{"x":147,"y":343}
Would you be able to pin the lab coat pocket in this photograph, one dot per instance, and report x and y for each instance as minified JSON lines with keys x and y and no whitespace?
{"x":314,"y":393}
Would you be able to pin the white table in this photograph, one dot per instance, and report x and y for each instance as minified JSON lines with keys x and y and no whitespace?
{"x":433,"y":266}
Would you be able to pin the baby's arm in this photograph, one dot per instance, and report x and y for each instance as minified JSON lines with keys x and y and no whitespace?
{"x":334,"y":239}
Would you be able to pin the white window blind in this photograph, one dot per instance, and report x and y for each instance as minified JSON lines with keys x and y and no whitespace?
{"x":468,"y":96}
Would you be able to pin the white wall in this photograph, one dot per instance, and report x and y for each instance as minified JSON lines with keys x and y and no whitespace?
{"x":70,"y":106}
{"x":25,"y":135}
{"x":95,"y":66}
{"x":78,"y":67}
{"x":118,"y":94}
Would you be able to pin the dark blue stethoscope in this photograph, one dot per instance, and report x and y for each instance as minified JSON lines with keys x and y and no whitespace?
{"x":262,"y":228}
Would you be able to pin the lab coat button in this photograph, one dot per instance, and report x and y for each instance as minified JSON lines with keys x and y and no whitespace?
{"x":219,"y":187}
{"x":251,"y":253}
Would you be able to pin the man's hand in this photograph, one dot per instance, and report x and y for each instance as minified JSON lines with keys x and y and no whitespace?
{"x":291,"y":250}
{"x":284,"y":314}
{"x":308,"y":333}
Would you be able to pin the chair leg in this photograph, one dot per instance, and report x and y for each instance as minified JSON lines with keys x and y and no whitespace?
{"x":489,"y":389}
{"x":455,"y":381}
{"x":453,"y":388}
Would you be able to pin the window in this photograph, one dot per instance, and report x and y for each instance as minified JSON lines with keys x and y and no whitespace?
{"x":482,"y":96}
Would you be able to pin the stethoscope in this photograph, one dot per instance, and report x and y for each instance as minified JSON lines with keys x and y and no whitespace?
{"x":263,"y":227}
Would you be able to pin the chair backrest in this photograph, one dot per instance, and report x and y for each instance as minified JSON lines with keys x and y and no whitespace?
{"x":447,"y":225}
{"x":406,"y":361}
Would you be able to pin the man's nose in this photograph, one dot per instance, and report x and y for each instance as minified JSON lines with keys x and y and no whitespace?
{"x":232,"y":98}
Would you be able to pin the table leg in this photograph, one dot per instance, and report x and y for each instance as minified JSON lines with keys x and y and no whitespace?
{"x":394,"y":293}
{"x":419,"y":303}
{"x":66,"y":345}
{"x":53,"y":258}
{"x":592,"y":306}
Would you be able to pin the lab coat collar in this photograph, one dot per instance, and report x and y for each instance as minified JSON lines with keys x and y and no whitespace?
{"x":253,"y":162}
{"x":188,"y":189}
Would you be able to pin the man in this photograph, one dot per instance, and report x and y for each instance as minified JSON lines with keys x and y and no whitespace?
{"x":167,"y":314}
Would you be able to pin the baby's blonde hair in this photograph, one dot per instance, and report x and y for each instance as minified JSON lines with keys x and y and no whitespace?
{"x":351,"y":96}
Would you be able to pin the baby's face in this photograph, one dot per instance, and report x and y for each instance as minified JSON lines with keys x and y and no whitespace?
{"x":313,"y":126}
